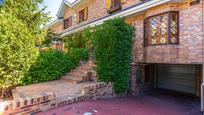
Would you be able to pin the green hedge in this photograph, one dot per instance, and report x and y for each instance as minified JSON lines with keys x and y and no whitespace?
{"x":112,"y":49}
{"x":74,"y":56}
{"x":52,"y":64}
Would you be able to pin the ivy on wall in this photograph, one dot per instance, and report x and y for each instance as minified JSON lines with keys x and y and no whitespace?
{"x":112,"y":43}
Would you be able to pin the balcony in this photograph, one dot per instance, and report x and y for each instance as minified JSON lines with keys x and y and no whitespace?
{"x":115,"y":6}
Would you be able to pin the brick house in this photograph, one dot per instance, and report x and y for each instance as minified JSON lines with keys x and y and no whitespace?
{"x":168,"y":45}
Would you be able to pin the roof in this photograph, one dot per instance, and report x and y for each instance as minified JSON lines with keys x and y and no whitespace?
{"x":53,"y":23}
{"x":62,"y":6}
{"x":61,"y":11}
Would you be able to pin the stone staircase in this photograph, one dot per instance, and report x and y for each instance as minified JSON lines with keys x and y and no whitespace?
{"x":82,"y":73}
{"x":80,"y":84}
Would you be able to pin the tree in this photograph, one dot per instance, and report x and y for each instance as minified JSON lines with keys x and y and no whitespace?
{"x":19,"y":30}
{"x":29,"y":12}
{"x":49,"y":38}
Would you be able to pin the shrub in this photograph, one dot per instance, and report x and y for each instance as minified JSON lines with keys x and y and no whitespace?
{"x":52,"y":64}
{"x":76,"y":55}
{"x":112,"y":50}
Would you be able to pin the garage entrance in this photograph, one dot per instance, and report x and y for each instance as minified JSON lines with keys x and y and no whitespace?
{"x":179,"y":78}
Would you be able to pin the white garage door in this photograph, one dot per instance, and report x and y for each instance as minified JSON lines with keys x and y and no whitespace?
{"x":177,"y":77}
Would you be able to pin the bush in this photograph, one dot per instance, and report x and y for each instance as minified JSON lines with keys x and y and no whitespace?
{"x":112,"y":50}
{"x":52,"y":64}
{"x":74,"y":56}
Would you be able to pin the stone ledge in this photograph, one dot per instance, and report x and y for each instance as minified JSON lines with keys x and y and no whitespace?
{"x":46,"y":101}
{"x":98,"y":90}
{"x":27,"y":104}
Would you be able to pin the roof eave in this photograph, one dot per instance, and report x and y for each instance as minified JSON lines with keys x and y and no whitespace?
{"x":53,"y":23}
{"x":65,"y":2}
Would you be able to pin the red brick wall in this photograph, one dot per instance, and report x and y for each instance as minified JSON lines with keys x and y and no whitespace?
{"x":189,"y":50}
{"x":96,"y":10}
{"x":129,"y":3}
{"x":48,"y":100}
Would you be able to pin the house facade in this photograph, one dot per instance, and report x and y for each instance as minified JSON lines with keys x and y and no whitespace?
{"x":168,"y":42}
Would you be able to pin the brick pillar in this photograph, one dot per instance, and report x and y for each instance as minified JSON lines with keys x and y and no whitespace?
{"x":133,"y":78}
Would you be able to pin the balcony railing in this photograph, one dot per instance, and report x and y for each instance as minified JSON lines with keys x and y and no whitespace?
{"x":115,"y":6}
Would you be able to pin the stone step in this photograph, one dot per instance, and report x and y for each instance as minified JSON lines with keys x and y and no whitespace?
{"x":83,"y":68}
{"x":78,"y":73}
{"x":69,"y":80}
{"x":75,"y":79}
{"x":75,"y":76}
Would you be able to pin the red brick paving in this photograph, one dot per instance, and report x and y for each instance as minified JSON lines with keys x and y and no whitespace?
{"x":148,"y":104}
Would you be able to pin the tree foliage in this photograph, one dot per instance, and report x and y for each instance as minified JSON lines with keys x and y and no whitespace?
{"x":30,"y":13}
{"x":112,"y":50}
{"x":19,"y":30}
{"x":49,"y":38}
{"x":79,"y":40}
{"x":17,"y":50}
{"x":74,"y":41}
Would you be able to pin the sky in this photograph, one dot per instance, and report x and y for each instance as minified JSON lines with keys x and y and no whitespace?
{"x":53,"y":6}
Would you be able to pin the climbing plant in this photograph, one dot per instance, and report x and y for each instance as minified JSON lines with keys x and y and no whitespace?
{"x":112,"y":50}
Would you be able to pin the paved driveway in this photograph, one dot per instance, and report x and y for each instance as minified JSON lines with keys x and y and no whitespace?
{"x":151,"y":103}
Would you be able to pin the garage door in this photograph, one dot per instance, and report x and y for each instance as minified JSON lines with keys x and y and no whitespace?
{"x":177,"y":77}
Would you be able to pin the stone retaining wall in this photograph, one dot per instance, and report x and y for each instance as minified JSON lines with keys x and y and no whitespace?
{"x":28,"y":105}
{"x":98,"y":91}
{"x":45,"y":101}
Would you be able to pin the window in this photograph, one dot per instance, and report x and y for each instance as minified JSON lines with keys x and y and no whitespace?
{"x":115,"y":6}
{"x":194,"y":2}
{"x":162,"y":29}
{"x":67,"y":22}
{"x":83,"y":15}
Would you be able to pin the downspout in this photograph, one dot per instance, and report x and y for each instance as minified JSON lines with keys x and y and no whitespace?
{"x":202,"y":86}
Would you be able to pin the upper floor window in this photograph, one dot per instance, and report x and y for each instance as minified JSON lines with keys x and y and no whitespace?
{"x":83,"y":15}
{"x":114,"y":5}
{"x":162,"y":29}
{"x":194,"y":2}
{"x":67,"y":22}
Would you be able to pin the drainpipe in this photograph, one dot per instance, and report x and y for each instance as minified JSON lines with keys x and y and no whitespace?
{"x":202,"y":86}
